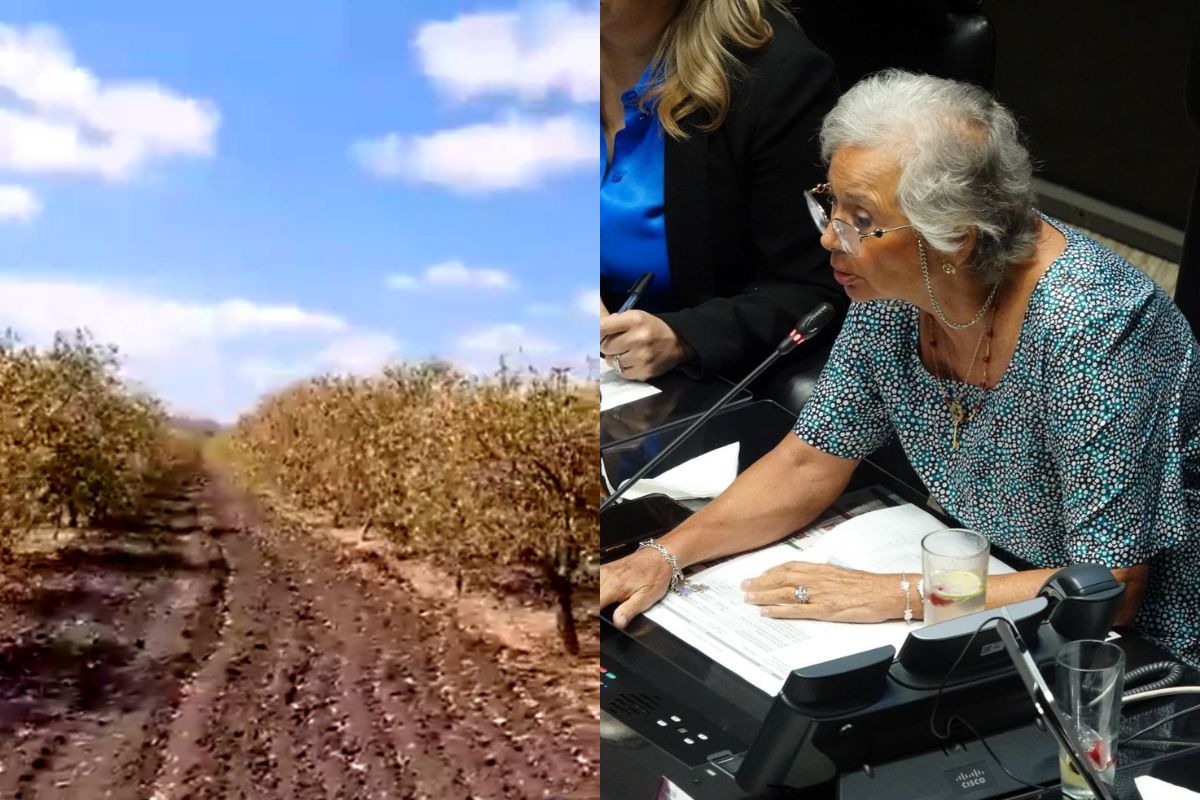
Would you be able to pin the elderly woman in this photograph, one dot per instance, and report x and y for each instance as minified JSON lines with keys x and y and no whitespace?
{"x":1045,"y":390}
{"x":710,"y":110}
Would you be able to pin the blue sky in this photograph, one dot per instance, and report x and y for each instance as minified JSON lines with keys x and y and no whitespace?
{"x":242,"y":194}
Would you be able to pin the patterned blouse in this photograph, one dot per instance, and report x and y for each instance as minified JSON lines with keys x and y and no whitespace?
{"x":1086,"y":450}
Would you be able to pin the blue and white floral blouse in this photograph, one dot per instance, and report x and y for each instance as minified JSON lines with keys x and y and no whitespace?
{"x":1086,"y":450}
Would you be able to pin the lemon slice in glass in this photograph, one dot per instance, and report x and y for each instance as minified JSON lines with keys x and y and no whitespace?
{"x":955,"y":586}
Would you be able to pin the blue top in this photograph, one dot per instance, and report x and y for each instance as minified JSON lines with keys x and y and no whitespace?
{"x":633,"y":238}
{"x":1086,"y":450}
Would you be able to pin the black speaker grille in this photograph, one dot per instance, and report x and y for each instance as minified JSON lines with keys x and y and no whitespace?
{"x":634,"y":703}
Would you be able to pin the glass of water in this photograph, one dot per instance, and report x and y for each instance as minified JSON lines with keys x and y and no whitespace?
{"x":1089,"y":678}
{"x":954,"y":563}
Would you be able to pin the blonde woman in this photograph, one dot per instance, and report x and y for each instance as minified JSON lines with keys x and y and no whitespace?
{"x":709,"y":110}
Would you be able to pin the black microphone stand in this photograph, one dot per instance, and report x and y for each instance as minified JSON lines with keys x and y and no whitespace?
{"x":805,"y":330}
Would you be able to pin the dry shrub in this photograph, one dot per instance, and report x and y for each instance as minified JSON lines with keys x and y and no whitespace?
{"x":76,"y":444}
{"x":444,"y":465}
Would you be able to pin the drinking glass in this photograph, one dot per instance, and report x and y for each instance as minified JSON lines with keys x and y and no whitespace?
{"x":954,"y":562}
{"x":1089,"y":678}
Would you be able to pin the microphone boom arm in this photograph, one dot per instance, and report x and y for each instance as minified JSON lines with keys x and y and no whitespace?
{"x":804,"y":330}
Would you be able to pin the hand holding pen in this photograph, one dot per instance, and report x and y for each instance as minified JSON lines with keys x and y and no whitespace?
{"x":637,"y":344}
{"x":635,"y":295}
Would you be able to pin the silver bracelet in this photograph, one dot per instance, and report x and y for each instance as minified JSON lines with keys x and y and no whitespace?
{"x":908,"y":610}
{"x":677,"y":578}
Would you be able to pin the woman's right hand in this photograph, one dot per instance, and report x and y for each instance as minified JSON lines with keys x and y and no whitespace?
{"x":640,"y":579}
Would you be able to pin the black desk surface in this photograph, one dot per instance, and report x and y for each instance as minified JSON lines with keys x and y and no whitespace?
{"x":680,"y":400}
{"x":670,"y":674}
{"x":758,"y":426}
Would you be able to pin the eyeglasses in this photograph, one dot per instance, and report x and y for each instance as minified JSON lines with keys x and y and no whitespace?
{"x":848,"y":237}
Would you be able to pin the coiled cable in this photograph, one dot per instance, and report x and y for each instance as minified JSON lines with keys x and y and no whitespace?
{"x":1161,"y":674}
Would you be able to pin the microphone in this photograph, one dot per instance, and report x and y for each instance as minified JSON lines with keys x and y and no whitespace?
{"x":808,"y":327}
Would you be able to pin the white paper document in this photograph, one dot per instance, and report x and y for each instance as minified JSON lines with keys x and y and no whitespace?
{"x":617,"y":391}
{"x":703,"y":476}
{"x":1151,"y":788}
{"x":719,"y":623}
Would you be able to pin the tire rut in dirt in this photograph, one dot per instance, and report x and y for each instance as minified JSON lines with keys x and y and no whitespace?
{"x":206,"y":650}
{"x":91,"y":672}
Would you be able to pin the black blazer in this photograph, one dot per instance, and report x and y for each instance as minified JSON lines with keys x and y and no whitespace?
{"x":744,"y":255}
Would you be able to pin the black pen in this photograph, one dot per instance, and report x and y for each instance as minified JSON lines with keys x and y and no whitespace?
{"x":635,"y":294}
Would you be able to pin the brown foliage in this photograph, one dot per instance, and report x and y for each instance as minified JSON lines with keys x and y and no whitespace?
{"x":75,"y":442}
{"x":442,"y":464}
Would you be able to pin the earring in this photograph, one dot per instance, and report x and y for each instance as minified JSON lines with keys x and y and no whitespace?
{"x":948,"y":268}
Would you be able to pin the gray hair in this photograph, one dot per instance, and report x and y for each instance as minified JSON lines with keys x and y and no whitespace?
{"x":962,"y":163}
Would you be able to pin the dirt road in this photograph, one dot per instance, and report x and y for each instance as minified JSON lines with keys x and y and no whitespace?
{"x":211,"y":651}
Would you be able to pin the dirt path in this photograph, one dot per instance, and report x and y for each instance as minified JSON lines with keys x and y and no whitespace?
{"x":212,"y":651}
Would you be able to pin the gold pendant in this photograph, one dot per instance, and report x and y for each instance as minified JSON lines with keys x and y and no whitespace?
{"x":956,"y":417}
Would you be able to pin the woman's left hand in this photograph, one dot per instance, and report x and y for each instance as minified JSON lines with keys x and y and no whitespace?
{"x":834,"y":593}
{"x":645,"y":344}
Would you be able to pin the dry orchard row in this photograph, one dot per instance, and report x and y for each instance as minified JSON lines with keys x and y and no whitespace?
{"x":76,"y":444}
{"x":468,"y":469}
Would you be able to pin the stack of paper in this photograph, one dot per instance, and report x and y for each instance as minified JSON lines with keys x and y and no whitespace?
{"x":617,"y":391}
{"x":703,"y":476}
{"x":1151,"y":788}
{"x":764,"y":651}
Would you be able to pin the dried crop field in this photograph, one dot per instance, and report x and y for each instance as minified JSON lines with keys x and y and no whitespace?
{"x":369,"y":588}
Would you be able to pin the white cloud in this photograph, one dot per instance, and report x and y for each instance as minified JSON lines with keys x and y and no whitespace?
{"x":480,"y":351}
{"x":529,"y":54}
{"x":533,"y":53}
{"x":522,"y":350}
{"x":360,"y":354}
{"x":356,"y":354}
{"x":588,"y":302}
{"x":453,"y":273}
{"x":142,"y":324}
{"x":191,"y":354}
{"x":403,"y":283}
{"x":18,"y":203}
{"x":585,"y":302}
{"x":543,"y":310}
{"x":266,"y":374}
{"x":239,"y":317}
{"x":505,"y":338}
{"x":58,"y":117}
{"x":514,"y":153}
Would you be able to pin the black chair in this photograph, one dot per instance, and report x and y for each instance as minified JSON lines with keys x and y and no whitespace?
{"x":1187,"y":288}
{"x":951,"y":38}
